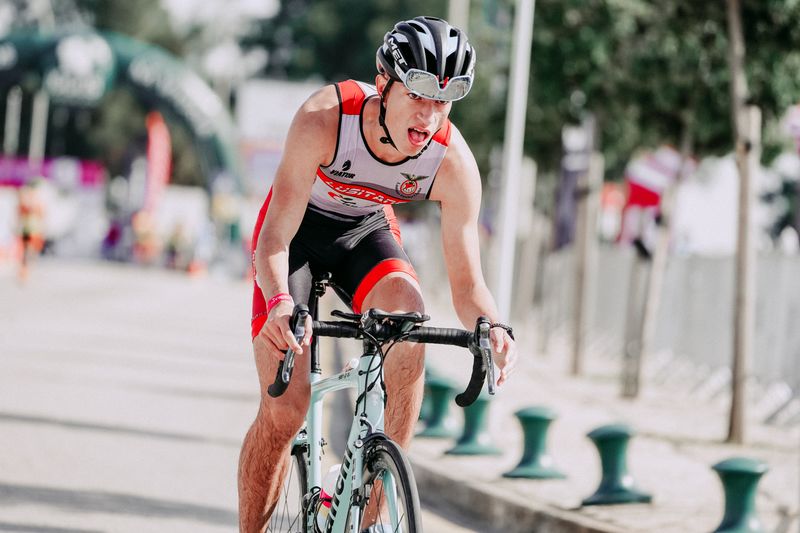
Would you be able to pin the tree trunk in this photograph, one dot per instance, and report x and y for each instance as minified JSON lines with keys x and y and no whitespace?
{"x":747,"y":126}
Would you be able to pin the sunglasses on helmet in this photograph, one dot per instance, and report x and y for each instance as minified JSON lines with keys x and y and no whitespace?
{"x":427,"y":85}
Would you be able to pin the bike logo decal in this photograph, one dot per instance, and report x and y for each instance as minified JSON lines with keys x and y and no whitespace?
{"x":410,"y":186}
{"x":344,"y":473}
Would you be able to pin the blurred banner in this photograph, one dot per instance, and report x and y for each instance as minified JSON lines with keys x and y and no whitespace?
{"x":79,"y":70}
{"x":159,"y":159}
{"x":78,"y":67}
{"x":66,"y":173}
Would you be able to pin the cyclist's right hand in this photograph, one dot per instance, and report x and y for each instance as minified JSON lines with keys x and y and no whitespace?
{"x":277,"y":334}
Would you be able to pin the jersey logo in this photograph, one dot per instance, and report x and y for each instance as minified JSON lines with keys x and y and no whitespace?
{"x":344,"y":200}
{"x":410,"y":186}
{"x":343,"y":173}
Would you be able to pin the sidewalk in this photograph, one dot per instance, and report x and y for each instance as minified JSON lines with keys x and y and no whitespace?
{"x":679,"y":436}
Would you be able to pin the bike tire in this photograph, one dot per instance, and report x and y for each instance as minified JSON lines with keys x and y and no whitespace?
{"x":289,"y":514}
{"x":385,"y":461}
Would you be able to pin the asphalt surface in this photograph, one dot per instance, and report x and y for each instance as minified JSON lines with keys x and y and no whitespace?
{"x":124,"y":396}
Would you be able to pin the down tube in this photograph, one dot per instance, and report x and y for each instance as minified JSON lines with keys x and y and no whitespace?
{"x":319,"y":388}
{"x":352,"y":464}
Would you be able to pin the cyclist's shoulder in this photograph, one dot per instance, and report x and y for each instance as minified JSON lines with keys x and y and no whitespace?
{"x":320,"y":112}
{"x":458,"y":166}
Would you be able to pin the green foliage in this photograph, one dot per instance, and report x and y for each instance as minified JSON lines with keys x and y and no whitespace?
{"x":119,"y":131}
{"x":334,"y":40}
{"x":144,"y":20}
{"x":338,"y":40}
{"x":650,"y":70}
{"x":647,"y":71}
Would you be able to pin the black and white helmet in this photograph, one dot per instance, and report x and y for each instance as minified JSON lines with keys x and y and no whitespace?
{"x":418,"y":48}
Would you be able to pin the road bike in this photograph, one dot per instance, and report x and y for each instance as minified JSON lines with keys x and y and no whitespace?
{"x":374,"y":468}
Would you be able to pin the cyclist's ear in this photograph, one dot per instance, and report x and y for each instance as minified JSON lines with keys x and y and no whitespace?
{"x":380,"y":83}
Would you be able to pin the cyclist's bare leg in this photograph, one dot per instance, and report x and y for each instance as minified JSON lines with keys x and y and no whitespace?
{"x":265,"y":452}
{"x":404,"y":368}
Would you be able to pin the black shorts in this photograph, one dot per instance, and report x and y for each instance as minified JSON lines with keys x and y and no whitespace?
{"x":358,"y":253}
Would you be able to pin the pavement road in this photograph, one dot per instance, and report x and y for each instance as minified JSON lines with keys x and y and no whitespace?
{"x":124,"y":396}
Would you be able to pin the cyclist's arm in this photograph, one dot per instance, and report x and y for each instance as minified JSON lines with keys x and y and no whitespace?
{"x":310,"y":143}
{"x":458,"y":189}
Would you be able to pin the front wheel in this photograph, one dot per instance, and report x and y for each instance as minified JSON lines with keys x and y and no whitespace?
{"x":392,"y":501}
{"x":289,"y":514}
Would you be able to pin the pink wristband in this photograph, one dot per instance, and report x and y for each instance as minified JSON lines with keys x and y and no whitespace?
{"x":278,"y":298}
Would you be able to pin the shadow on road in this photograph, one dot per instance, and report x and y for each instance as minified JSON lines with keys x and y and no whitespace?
{"x":30,"y":528}
{"x":89,"y":426}
{"x":110,"y":503}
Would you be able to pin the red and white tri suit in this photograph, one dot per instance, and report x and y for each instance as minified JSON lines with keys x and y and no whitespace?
{"x":349,"y":228}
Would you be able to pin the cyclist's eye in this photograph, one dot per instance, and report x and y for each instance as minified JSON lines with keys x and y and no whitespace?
{"x":414,"y":96}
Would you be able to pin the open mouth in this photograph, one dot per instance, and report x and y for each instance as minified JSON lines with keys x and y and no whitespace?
{"x":417,"y":137}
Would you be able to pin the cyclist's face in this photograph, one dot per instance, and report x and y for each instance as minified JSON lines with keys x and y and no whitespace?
{"x":412,"y":120}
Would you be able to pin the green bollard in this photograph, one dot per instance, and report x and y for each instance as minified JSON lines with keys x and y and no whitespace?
{"x":536,"y":463}
{"x":440,"y":422}
{"x":616,"y":485}
{"x":739,"y":477}
{"x":475,"y":440}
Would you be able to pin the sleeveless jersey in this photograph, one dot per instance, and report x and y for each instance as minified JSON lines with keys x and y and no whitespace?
{"x":357,"y":182}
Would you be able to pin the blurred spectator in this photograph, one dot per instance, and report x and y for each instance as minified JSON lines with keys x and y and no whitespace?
{"x":31,"y":212}
{"x":112,"y":248}
{"x":178,"y":250}
{"x":145,"y":239}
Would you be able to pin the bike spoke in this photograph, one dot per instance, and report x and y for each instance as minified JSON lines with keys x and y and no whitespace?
{"x":288,"y":516}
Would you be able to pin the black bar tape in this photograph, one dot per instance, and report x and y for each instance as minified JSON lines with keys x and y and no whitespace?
{"x":475,"y":384}
{"x":342,"y":330}
{"x":451,"y":336}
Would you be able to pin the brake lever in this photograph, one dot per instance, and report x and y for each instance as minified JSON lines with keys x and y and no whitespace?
{"x":285,"y":368}
{"x":288,"y":361}
{"x":485,"y":346}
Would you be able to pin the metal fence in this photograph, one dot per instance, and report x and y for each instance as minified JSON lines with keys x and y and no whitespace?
{"x":695,"y":316}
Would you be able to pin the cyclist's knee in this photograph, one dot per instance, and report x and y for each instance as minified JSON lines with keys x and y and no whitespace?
{"x":395,"y":292}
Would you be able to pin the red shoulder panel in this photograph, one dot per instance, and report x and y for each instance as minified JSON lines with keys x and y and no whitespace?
{"x":352,"y":97}
{"x":443,"y":135}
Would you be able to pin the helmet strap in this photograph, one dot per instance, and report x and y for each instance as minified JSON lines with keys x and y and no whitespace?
{"x":382,"y":115}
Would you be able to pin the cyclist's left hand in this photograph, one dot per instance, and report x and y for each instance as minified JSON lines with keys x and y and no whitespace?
{"x":505,"y":352}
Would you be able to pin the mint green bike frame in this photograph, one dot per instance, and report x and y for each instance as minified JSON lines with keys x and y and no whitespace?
{"x":368,"y":421}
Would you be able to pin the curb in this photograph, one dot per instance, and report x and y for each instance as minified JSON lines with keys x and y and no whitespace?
{"x":491,"y":509}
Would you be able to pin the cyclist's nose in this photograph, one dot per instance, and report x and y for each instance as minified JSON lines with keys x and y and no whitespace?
{"x":426,"y":108}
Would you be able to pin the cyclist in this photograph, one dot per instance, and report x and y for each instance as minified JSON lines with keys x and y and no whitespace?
{"x":30,"y":212}
{"x":353,"y":150}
